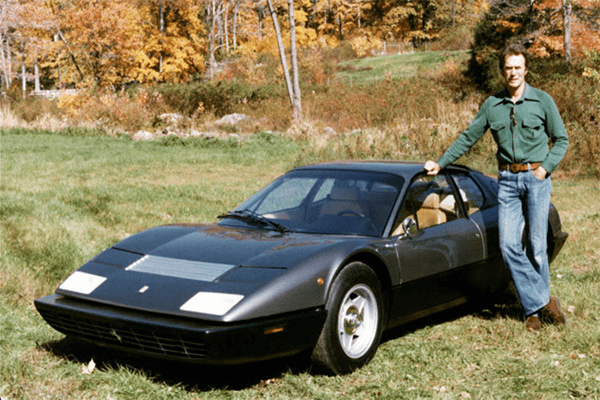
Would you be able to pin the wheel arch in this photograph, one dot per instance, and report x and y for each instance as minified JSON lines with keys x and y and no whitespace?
{"x":381,"y":271}
{"x":334,"y":351}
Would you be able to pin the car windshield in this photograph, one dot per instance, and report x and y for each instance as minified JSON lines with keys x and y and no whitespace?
{"x":321,"y":201}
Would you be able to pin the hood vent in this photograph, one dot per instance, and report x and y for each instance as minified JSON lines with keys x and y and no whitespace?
{"x":185,"y":269}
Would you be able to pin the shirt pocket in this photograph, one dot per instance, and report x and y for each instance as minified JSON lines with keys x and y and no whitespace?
{"x":500,"y":132}
{"x":533,"y":128}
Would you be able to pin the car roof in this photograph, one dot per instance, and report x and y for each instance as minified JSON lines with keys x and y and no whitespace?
{"x":402,"y":168}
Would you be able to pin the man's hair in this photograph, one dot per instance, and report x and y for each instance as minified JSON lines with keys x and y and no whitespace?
{"x":513,"y":50}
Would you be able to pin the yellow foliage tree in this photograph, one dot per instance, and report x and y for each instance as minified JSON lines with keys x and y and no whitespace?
{"x":104,"y":36}
{"x":173,"y":46}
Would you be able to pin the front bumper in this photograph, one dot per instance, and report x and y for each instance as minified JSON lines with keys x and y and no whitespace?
{"x":183,"y":339}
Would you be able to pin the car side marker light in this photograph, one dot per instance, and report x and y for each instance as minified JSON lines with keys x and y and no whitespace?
{"x":274,"y":330}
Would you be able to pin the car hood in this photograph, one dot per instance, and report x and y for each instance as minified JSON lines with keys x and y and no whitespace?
{"x":226,"y":245}
{"x":213,"y":272}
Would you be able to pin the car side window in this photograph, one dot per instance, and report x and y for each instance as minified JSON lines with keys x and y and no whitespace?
{"x":429,"y":201}
{"x":470,"y":192}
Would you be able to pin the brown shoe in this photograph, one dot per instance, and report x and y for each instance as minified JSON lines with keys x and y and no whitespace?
{"x":533,"y":323}
{"x":552,"y":312}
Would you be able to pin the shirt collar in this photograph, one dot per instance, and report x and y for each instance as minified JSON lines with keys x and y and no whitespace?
{"x":503,"y":97}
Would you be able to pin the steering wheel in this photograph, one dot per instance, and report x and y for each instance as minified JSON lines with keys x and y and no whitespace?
{"x":351,"y":212}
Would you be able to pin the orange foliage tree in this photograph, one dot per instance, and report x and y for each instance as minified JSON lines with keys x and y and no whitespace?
{"x":113,"y":42}
{"x":539,"y":25}
{"x":104,"y":36}
{"x":583,"y":16}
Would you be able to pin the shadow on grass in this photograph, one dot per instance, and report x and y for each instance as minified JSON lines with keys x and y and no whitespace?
{"x":191,"y":377}
{"x":504,"y":306}
{"x":200,"y":378}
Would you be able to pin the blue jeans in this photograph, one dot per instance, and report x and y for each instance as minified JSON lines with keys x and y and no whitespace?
{"x":524,"y":206}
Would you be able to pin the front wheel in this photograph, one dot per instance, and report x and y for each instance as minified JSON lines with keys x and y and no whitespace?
{"x":354,"y":322}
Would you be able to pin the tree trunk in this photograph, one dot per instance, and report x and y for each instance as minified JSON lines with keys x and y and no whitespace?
{"x":286,"y":71}
{"x":234,"y":25}
{"x":453,"y":13}
{"x":225,"y":28}
{"x":23,"y":80}
{"x":58,"y":65}
{"x":214,"y":15}
{"x":211,"y":16}
{"x":7,"y":19}
{"x":161,"y":29}
{"x":567,"y":12}
{"x":71,"y":55}
{"x":5,"y":60}
{"x":359,"y":19}
{"x":36,"y":70}
{"x":296,"y":101}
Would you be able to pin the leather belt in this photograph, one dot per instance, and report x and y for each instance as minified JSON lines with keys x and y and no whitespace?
{"x":514,"y":168}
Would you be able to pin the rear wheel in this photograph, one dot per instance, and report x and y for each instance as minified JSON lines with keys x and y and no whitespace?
{"x":354,"y":321}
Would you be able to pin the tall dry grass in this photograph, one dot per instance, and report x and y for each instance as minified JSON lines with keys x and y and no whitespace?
{"x":7,"y":118}
{"x":412,"y":118}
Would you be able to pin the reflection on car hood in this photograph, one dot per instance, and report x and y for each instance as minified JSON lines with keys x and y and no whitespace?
{"x":224,"y":245}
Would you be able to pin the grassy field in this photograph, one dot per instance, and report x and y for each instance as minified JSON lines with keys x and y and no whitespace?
{"x":64,"y":199}
{"x":393,"y":66}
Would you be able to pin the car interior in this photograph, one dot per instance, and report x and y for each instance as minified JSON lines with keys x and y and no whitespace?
{"x":431,"y":201}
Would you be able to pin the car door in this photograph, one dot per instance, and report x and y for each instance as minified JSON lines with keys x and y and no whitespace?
{"x":444,"y":246}
{"x":481,"y":206}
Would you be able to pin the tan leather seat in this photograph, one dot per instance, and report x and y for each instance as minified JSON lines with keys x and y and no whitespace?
{"x":430,"y":214}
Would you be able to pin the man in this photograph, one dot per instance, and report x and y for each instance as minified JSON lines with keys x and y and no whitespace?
{"x":521,"y":119}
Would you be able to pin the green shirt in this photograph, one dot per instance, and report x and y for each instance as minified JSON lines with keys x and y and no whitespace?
{"x":522,"y":139}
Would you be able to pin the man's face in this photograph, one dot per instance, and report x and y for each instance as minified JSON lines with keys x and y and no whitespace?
{"x":514,"y":71}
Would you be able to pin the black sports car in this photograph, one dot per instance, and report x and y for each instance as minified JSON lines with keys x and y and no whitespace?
{"x":323,"y":259}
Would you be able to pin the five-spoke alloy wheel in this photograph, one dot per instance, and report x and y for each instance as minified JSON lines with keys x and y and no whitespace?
{"x":354,"y":321}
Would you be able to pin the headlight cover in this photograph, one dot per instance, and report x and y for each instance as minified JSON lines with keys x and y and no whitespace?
{"x":211,"y":303}
{"x":82,"y":282}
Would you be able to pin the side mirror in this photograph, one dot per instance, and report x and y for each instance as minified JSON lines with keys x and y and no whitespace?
{"x":410,"y":226}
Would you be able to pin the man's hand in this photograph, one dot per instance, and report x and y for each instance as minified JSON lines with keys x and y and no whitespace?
{"x":540,"y":173}
{"x":432,"y":167}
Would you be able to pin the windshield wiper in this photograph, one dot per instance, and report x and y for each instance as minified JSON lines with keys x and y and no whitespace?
{"x":251,"y":216}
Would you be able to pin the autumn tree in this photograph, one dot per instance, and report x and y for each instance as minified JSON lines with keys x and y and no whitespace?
{"x":413,"y":20}
{"x":293,"y":87}
{"x":8,"y":28}
{"x":538,"y":25}
{"x":25,"y":40}
{"x":43,"y":48}
{"x":172,"y":47}
{"x":103,"y":37}
{"x":112,"y":42}
{"x":216,"y":13}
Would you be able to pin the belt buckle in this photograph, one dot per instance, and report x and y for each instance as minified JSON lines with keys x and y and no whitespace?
{"x":514,"y":168}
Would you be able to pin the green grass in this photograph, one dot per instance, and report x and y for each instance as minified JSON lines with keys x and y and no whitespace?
{"x":64,"y":199}
{"x":373,"y":69}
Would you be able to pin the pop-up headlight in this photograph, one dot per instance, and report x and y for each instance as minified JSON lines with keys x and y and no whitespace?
{"x":82,"y":282}
{"x":211,"y":303}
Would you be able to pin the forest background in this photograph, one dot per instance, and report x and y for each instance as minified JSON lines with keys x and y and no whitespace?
{"x":379,"y":79}
{"x":128,"y":63}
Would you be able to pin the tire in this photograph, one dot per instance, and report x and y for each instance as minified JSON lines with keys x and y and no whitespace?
{"x":354,"y":321}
